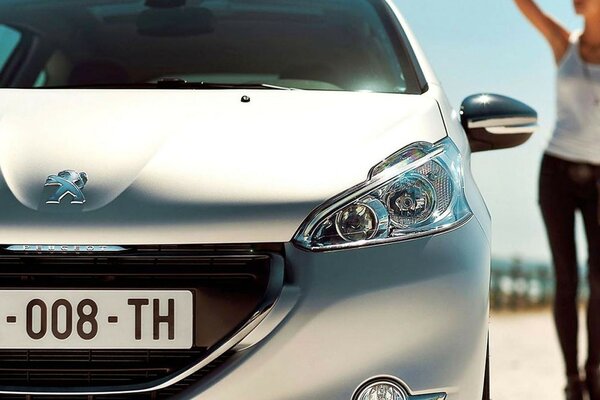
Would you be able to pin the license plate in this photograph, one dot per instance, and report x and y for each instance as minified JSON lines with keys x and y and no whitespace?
{"x":96,"y":319}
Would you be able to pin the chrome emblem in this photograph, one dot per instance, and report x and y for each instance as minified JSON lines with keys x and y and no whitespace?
{"x":67,"y":182}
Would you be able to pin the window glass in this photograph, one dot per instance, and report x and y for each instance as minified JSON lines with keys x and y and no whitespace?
{"x":9,"y":40}
{"x":349,"y":45}
{"x":41,"y":80}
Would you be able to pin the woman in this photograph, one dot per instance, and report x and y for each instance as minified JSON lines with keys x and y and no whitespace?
{"x":569,"y":182}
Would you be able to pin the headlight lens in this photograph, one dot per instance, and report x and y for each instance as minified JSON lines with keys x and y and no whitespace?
{"x":416,"y":191}
{"x":410,"y":201}
{"x":356,"y":222}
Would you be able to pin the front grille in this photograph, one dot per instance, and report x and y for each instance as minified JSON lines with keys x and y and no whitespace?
{"x":228,"y":285}
{"x":93,"y":367}
{"x":162,"y":394}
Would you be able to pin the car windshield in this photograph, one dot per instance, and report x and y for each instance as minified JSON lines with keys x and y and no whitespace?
{"x":349,"y":45}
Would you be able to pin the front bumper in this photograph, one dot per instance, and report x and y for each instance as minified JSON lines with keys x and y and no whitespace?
{"x":416,"y":311}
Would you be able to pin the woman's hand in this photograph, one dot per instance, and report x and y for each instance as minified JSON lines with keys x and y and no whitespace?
{"x":556,"y":35}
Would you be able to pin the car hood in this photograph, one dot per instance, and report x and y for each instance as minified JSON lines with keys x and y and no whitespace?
{"x":191,"y":166}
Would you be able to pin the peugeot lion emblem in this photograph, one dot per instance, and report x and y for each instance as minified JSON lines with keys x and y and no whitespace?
{"x":67,"y":182}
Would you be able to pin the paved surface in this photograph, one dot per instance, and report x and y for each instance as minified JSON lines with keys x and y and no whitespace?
{"x":525,"y":358}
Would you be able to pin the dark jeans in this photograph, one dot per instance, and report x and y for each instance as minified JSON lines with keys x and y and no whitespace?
{"x":566,"y":187}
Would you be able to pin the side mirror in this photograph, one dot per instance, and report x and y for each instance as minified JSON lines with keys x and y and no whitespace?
{"x":493,"y":122}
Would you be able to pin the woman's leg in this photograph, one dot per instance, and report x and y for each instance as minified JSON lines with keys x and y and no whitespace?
{"x":558,"y":204}
{"x":589,"y":210}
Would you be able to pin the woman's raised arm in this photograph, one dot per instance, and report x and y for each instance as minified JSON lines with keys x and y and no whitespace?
{"x":556,"y":35}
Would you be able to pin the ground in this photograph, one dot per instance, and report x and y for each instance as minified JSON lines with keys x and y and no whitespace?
{"x":525,"y":358}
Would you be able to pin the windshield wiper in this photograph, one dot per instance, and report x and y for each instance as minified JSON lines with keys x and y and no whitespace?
{"x":218,"y":85}
{"x":174,"y":83}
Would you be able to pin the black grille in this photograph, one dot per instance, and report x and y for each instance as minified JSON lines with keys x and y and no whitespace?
{"x":92,"y":367}
{"x":228,"y":285}
{"x":162,"y":394}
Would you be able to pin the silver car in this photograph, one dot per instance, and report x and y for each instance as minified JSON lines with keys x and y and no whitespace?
{"x":238,"y":199}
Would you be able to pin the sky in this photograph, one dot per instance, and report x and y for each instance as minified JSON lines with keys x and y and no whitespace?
{"x":487,"y":46}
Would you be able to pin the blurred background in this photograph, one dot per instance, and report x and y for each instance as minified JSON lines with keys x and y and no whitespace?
{"x":487,"y":46}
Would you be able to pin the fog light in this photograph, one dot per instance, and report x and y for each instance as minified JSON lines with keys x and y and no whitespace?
{"x":381,"y":390}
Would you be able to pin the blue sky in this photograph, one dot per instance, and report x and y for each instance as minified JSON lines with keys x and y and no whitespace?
{"x":487,"y":46}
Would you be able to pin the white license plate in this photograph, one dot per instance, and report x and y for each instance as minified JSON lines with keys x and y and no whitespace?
{"x":96,"y":319}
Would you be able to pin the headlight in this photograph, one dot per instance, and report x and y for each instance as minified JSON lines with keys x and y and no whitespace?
{"x":416,"y":191}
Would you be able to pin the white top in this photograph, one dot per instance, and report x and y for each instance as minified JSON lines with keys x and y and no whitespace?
{"x":577,"y":132}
